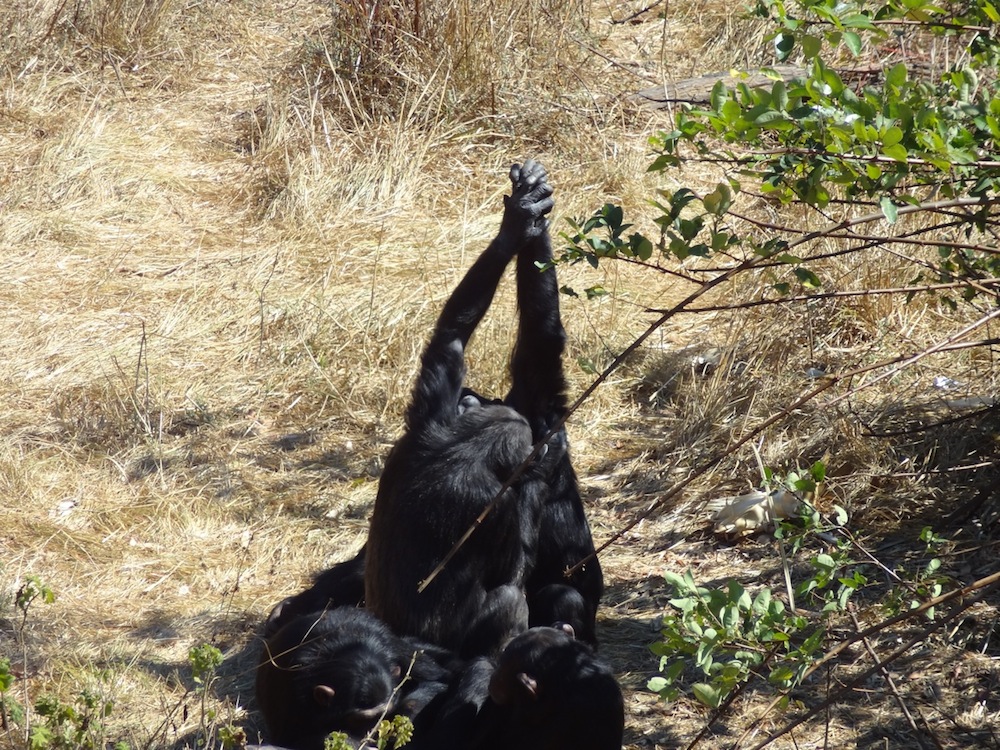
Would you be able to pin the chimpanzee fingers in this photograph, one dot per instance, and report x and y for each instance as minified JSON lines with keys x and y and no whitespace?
{"x":515,"y":175}
{"x":544,"y":205}
{"x":532,"y":172}
{"x":526,"y":178}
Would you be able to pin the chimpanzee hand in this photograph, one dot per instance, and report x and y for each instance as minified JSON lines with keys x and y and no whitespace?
{"x":529,"y":202}
{"x":551,"y":453}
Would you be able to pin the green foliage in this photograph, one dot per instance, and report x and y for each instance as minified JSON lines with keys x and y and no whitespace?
{"x":338,"y":741}
{"x":232,"y":738}
{"x":801,"y":483}
{"x":724,"y":633}
{"x":902,"y":141}
{"x":31,"y":590}
{"x":11,"y":712}
{"x":925,"y":583}
{"x":394,"y":732}
{"x":390,"y":734}
{"x":729,"y":636}
{"x":204,"y":661}
{"x":77,"y":725}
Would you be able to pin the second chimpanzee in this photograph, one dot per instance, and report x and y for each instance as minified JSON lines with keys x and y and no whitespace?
{"x":341,"y":670}
{"x":457,"y":452}
{"x":549,"y":692}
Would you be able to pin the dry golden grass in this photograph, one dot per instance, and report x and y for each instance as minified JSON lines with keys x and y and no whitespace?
{"x":220,"y":261}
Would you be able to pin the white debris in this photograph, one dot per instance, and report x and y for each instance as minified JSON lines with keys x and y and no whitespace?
{"x":741,"y":514}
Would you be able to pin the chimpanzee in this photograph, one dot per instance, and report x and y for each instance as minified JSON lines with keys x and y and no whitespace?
{"x":343,"y":585}
{"x":340,"y":670}
{"x":455,"y":455}
{"x":549,"y":692}
{"x":445,"y":469}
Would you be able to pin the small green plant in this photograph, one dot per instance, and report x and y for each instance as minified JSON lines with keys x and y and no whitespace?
{"x":926,"y":583}
{"x":204,"y":660}
{"x":390,"y":733}
{"x":728,"y":635}
{"x":11,"y":712}
{"x":70,"y":726}
{"x":31,"y":590}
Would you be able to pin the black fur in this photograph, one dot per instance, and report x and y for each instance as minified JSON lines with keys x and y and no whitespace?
{"x":456,"y":454}
{"x":539,"y":393}
{"x":338,"y":670}
{"x":549,"y":692}
{"x":343,"y":585}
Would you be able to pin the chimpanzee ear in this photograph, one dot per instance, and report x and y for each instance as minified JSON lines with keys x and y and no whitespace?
{"x":566,"y":628}
{"x":324,"y":694}
{"x":530,"y":683}
{"x":396,"y":671}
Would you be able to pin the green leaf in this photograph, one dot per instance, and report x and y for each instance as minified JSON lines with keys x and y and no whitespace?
{"x":896,"y":75}
{"x":825,"y":562}
{"x":640,"y":247}
{"x":719,"y":96}
{"x":892,"y":136}
{"x":719,"y":200}
{"x":889,"y":209}
{"x":807,"y":278}
{"x":784,"y":43}
{"x":853,"y":42}
{"x":858,"y":21}
{"x":706,"y":694}
{"x":897,"y":152}
{"x":779,"y":95}
{"x":811,"y":46}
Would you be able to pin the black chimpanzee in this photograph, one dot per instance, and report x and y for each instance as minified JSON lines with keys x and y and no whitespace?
{"x":456,"y":454}
{"x":549,"y":692}
{"x":341,"y":670}
{"x":343,"y":585}
{"x":457,"y":449}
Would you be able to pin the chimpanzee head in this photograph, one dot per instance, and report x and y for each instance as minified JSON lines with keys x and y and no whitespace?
{"x":522,"y":676}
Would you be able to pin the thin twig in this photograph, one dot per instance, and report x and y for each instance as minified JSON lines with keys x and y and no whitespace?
{"x":635,"y":15}
{"x":827,"y":382}
{"x":917,"y":357}
{"x":982,"y":585}
{"x":988,"y":283}
{"x":888,"y":680}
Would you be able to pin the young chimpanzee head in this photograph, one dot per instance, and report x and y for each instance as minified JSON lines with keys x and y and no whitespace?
{"x":353,"y":686}
{"x":556,"y":694}
{"x":526,"y":659}
{"x":326,"y":672}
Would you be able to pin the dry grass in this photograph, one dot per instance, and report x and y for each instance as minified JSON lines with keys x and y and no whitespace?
{"x":222,"y":249}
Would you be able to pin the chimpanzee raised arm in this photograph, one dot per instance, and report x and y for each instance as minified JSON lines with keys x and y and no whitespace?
{"x":538,"y":392}
{"x":454,"y":457}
